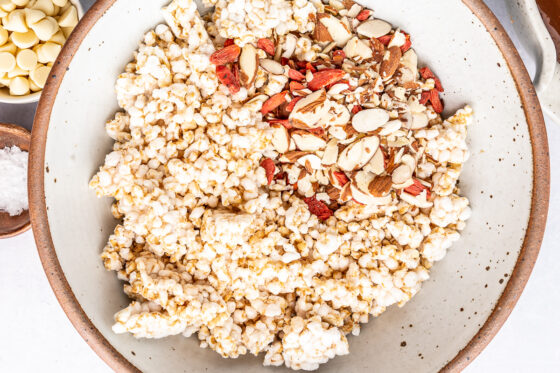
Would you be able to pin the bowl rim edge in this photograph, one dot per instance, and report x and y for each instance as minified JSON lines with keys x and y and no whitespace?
{"x":522,"y":270}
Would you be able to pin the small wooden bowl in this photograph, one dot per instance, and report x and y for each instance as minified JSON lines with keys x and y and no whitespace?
{"x":11,"y":135}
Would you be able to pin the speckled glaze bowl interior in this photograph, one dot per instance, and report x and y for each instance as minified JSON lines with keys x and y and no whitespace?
{"x":471,"y":292}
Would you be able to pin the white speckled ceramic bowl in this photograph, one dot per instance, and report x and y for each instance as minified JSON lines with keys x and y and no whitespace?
{"x":32,"y":97}
{"x":470,"y":293}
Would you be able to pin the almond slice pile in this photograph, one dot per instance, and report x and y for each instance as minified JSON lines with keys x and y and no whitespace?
{"x":343,"y":126}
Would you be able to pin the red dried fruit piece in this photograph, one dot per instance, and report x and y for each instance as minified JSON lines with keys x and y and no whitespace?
{"x":309,"y":67}
{"x":228,"y":78}
{"x":341,"y":177}
{"x":385,"y":39}
{"x":363,"y":15}
{"x":318,"y":208}
{"x":284,"y":61}
{"x":343,"y":81}
{"x":417,"y":188}
{"x":319,"y":131}
{"x":356,"y":109}
{"x":225,"y":55}
{"x":324,"y":78}
{"x":295,"y":86}
{"x":424,"y":98}
{"x":301,"y":64}
{"x":338,"y":57}
{"x":292,"y":104}
{"x":285,"y":122}
{"x":266,"y":45}
{"x":427,"y":73}
{"x":273,"y":102}
{"x":436,"y":102}
{"x":407,"y":44}
{"x":228,"y":42}
{"x":295,"y":75}
{"x":280,"y":176}
{"x":269,"y":168}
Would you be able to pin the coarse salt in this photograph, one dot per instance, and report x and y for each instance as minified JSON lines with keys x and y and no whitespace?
{"x":13,"y":180}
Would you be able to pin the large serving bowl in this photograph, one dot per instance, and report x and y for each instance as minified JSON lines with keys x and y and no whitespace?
{"x":458,"y":311}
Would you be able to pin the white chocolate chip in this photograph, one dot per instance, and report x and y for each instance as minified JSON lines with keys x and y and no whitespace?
{"x":3,"y":35}
{"x":60,"y":3}
{"x":19,"y":86}
{"x":26,"y":59}
{"x":24,"y":40}
{"x":15,"y":21}
{"x":58,"y":38}
{"x":40,"y":75}
{"x":20,"y":3}
{"x":7,"y":62}
{"x":69,"y":18}
{"x":46,"y":6}
{"x":45,"y":28}
{"x":48,"y":52}
{"x":32,"y":16}
{"x":8,"y":47}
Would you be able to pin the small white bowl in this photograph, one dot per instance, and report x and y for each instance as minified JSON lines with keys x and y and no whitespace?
{"x":5,"y":96}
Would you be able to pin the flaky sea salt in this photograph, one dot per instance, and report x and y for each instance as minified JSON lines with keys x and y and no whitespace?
{"x":13,"y":180}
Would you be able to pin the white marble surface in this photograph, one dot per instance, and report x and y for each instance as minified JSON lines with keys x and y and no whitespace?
{"x":37,"y":336}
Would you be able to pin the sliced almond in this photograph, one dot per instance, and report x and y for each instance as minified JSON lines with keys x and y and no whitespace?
{"x":248,"y":65}
{"x":366,"y":198}
{"x":337,"y":178}
{"x":397,"y":40}
{"x":373,"y":28}
{"x":419,"y":120}
{"x":358,"y":49}
{"x":338,"y":132}
{"x":310,"y":110}
{"x":377,"y":163}
{"x":410,"y":60}
{"x":292,"y":156}
{"x":272,"y":66}
{"x":369,"y":120}
{"x":401,"y":174}
{"x":310,"y":160}
{"x":380,"y":186}
{"x":354,"y":11}
{"x":308,"y":141}
{"x":362,"y":179}
{"x":409,"y":160}
{"x":390,"y":62}
{"x":331,"y":153}
{"x":321,"y":34}
{"x":339,"y":32}
{"x":390,"y":127}
{"x":357,"y":154}
{"x":280,"y":138}
{"x":337,"y":89}
{"x":338,"y":115}
{"x":289,"y":45}
{"x":419,"y":200}
{"x":346,"y":193}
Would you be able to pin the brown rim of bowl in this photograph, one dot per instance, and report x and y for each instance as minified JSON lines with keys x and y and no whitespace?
{"x":508,"y":299}
{"x":23,"y":133}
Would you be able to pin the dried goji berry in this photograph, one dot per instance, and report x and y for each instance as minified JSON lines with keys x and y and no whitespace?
{"x":266,"y":45}
{"x":285,"y":122}
{"x":407,"y":44}
{"x":295,"y":86}
{"x":324,"y":78}
{"x":341,"y":177}
{"x":292,"y":104}
{"x":273,"y":102}
{"x":309,"y":67}
{"x":427,"y":73}
{"x":356,"y":109}
{"x":417,"y":188}
{"x":318,"y":208}
{"x":425,"y":97}
{"x":225,"y":55}
{"x":228,"y":42}
{"x":363,"y":15}
{"x":269,"y":168}
{"x":227,"y":77}
{"x":295,"y":75}
{"x":436,"y":102}
{"x":385,"y":39}
{"x":284,"y":61}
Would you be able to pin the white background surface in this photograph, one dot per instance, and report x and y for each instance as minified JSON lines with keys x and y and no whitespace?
{"x":35,"y":334}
